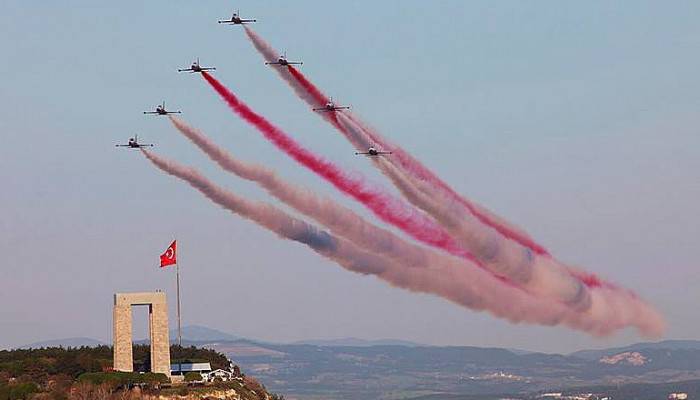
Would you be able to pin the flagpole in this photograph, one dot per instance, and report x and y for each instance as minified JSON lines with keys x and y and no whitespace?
{"x":179,"y":323}
{"x":179,"y":326}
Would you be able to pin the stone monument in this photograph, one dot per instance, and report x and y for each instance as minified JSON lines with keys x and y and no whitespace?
{"x":157,"y":328}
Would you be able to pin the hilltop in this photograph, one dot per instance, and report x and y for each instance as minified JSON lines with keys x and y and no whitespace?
{"x":85,"y":373}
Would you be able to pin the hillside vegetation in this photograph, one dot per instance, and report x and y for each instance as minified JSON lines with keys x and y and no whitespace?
{"x":84,"y":373}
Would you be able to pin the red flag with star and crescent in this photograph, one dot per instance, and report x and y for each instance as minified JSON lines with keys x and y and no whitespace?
{"x":170,"y":255}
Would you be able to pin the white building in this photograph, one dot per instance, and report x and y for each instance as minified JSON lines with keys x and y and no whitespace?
{"x":220,"y":373}
{"x":183,"y":368}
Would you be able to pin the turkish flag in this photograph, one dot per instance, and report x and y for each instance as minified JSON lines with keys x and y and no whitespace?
{"x":170,"y":256}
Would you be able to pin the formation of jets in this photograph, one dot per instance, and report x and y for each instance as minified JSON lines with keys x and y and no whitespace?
{"x":282,"y":61}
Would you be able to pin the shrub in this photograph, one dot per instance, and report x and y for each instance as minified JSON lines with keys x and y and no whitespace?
{"x":193,"y":376}
{"x":20,"y":391}
{"x":117,"y":379}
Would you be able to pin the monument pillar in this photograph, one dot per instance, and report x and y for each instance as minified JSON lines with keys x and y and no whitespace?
{"x":158,"y":330}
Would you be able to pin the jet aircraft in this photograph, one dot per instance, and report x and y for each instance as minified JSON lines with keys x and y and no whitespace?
{"x":330,"y":106}
{"x":282,"y":61}
{"x":373,"y":152}
{"x":133,"y":143}
{"x":160,"y":110}
{"x":195,"y":67}
{"x":236,"y":19}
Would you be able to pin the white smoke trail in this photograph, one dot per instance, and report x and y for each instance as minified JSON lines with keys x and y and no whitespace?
{"x":346,"y":223}
{"x":500,"y":255}
{"x":339,"y":219}
{"x":469,"y":287}
{"x":539,"y":274}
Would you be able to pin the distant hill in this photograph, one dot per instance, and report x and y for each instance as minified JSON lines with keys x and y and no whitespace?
{"x":198,"y":333}
{"x":355,"y":342}
{"x":663,"y":345}
{"x":353,"y":372}
{"x":67,"y":342}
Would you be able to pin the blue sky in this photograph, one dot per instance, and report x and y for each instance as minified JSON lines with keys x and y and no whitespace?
{"x":577,"y":121}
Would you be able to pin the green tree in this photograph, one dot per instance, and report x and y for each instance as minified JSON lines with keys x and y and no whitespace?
{"x":193,"y":376}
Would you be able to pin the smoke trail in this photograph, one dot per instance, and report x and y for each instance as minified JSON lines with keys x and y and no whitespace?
{"x":434,"y":189}
{"x":339,"y":219}
{"x":416,"y":169}
{"x":387,"y":207}
{"x":470,"y":287}
{"x":286,"y":72}
{"x":551,"y":280}
{"x":536,"y":273}
{"x":501,"y":256}
{"x":313,"y":96}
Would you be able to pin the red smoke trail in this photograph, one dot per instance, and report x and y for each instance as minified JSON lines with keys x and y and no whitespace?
{"x":271,"y":55}
{"x":382,"y":204}
{"x":320,"y":98}
{"x":315,"y":98}
{"x":588,"y":279}
{"x":414,"y":166}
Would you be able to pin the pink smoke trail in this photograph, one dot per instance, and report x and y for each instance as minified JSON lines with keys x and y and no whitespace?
{"x":313,"y":96}
{"x":339,"y":219}
{"x":387,"y":207}
{"x":473,"y":288}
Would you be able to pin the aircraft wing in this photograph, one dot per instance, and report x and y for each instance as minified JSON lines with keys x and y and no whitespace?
{"x":150,"y":112}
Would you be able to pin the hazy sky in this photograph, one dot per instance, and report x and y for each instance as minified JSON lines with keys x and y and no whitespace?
{"x":577,"y":121}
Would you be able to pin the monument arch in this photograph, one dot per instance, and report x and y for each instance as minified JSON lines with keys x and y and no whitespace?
{"x":157,"y":330}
